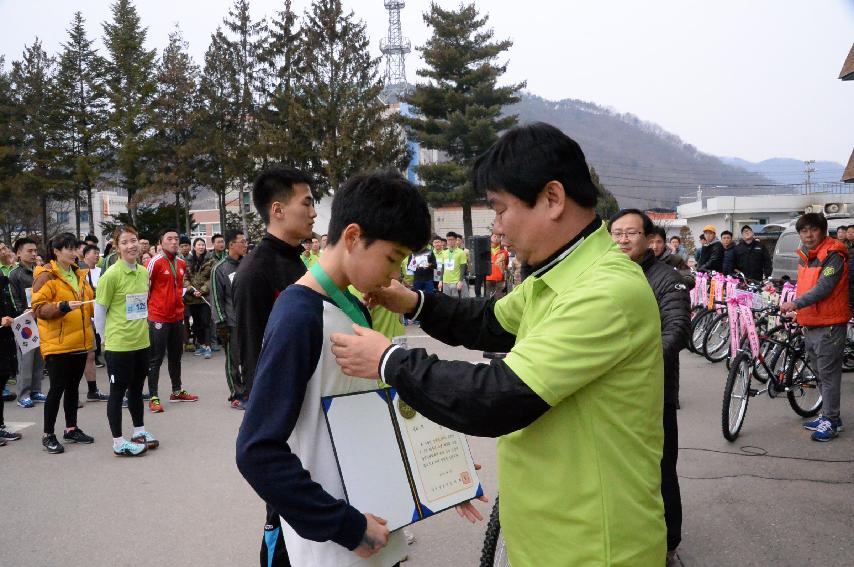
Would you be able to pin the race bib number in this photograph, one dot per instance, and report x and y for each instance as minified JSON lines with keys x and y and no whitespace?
{"x":29,"y":292}
{"x":449,"y":264}
{"x":136,"y":306}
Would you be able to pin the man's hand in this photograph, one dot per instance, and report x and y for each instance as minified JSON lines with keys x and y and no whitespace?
{"x":75,"y":305}
{"x":460,"y":285}
{"x":375,"y":538}
{"x":467,"y":510}
{"x":359,"y":355}
{"x":787,"y":307}
{"x":397,"y":298}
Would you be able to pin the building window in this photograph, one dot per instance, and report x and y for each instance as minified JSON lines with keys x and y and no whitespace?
{"x":215,"y":228}
{"x":62,"y":217}
{"x":200,"y":231}
{"x":84,"y":217}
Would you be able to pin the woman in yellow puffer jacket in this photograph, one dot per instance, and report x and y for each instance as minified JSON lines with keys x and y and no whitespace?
{"x":62,"y":304}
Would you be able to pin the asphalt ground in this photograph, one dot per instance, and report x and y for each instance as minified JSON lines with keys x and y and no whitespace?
{"x":185,"y":504}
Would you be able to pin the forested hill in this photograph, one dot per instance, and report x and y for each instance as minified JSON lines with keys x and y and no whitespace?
{"x":639,"y":162}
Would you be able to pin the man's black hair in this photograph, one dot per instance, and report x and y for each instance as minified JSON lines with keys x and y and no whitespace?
{"x":725,"y":233}
{"x":21,"y":242}
{"x":275,"y":184}
{"x":89,"y":248}
{"x":746,"y":227}
{"x":843,"y":227}
{"x":61,"y":241}
{"x":91,"y":238}
{"x":813,"y":220}
{"x":164,"y":232}
{"x":659,"y":231}
{"x":454,"y":234}
{"x":648,"y":226}
{"x":386,"y":207}
{"x":183,"y":239}
{"x":527,"y":157}
{"x":215,"y":236}
{"x":230,"y":236}
{"x":703,"y":237}
{"x":678,"y":239}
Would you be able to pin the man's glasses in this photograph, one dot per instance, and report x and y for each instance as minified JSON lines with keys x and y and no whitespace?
{"x":630,"y":234}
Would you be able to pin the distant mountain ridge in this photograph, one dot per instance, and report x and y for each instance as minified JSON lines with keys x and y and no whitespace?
{"x":788,"y":170}
{"x":642,"y":164}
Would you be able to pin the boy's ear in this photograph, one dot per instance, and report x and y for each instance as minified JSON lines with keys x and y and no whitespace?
{"x":352,"y":233}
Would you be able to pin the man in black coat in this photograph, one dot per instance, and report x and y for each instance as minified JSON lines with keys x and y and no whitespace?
{"x":712,"y":253}
{"x":630,"y":229}
{"x":751,"y":257}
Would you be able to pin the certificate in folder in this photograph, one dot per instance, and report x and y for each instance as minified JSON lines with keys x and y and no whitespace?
{"x":394,"y":462}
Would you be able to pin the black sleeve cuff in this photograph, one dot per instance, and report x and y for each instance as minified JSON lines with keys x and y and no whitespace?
{"x":64,"y":307}
{"x":352,"y":529}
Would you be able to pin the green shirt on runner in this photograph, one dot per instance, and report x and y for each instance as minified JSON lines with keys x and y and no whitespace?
{"x":452,"y":259}
{"x":124,"y":292}
{"x":582,"y":484}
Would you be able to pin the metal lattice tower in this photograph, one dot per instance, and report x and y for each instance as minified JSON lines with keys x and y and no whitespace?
{"x":395,"y":47}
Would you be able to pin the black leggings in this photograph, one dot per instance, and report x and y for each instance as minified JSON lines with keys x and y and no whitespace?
{"x":127,"y":371}
{"x":670,"y":480}
{"x":201,"y":315}
{"x":65,"y":371}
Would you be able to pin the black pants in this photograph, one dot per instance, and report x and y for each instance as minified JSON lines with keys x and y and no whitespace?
{"x":127,"y":371}
{"x":273,"y":552}
{"x":201,"y":315}
{"x":165,"y":338}
{"x":65,"y":371}
{"x":233,"y":378}
{"x":669,"y":480}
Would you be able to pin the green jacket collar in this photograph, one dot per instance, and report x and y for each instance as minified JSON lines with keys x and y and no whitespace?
{"x":560,"y":272}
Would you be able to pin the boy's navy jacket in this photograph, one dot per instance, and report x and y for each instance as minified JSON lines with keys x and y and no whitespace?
{"x":284,"y":450}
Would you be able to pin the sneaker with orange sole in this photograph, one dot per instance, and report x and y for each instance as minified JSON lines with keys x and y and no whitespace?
{"x":183,"y":396}
{"x":154,"y":405}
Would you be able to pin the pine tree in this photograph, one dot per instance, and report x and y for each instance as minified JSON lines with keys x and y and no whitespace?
{"x":607,"y":205}
{"x":32,"y":84}
{"x":217,"y":120}
{"x":80,"y":106}
{"x":282,"y":139}
{"x":10,"y":147}
{"x":459,"y":107}
{"x":349,"y":126}
{"x":246,"y":43}
{"x":130,"y":81}
{"x":174,"y":119}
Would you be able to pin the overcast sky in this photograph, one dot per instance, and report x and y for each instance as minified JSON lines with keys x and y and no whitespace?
{"x":752,"y":79}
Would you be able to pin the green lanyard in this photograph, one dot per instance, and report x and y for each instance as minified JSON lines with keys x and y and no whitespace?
{"x":343,"y":299}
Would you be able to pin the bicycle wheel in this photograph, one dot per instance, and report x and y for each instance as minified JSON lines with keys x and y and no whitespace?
{"x":698,"y":331}
{"x":494,"y":552}
{"x":848,"y":353}
{"x":770,"y":353}
{"x":716,"y":341}
{"x":736,"y":396}
{"x":802,"y":389}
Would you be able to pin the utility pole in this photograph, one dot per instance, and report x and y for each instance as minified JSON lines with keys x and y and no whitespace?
{"x":809,"y":168}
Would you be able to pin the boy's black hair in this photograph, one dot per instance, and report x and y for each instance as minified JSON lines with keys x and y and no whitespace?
{"x":648,"y":226}
{"x":725,"y":232}
{"x":164,"y":232}
{"x":386,"y":207}
{"x":215,"y":236}
{"x":678,"y":239}
{"x":813,"y":220}
{"x":659,"y":231}
{"x":21,"y":242}
{"x":88,"y":248}
{"x":454,"y":234}
{"x":183,"y":239}
{"x":527,"y":157}
{"x":90,"y":238}
{"x":843,"y":227}
{"x":703,"y":237}
{"x":230,"y":236}
{"x":746,"y":227}
{"x":275,"y":184}
{"x":61,"y":241}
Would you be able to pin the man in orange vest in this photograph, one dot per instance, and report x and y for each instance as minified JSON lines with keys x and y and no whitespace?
{"x":823,"y":311}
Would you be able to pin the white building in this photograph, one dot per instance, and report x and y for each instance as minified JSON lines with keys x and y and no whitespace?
{"x":105,"y":205}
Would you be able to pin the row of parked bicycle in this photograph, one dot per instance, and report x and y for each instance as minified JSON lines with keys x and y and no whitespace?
{"x":739,"y":322}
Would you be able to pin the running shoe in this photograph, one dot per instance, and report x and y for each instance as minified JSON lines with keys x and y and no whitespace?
{"x":146,"y":396}
{"x":189,"y":347}
{"x":97,"y":396}
{"x":237,"y":404}
{"x":199,"y":351}
{"x":76,"y":435}
{"x":2,"y":442}
{"x":7,"y":435}
{"x":182,"y":396}
{"x":51,"y":445}
{"x":813,"y":425}
{"x":125,"y":402}
{"x":11,"y":381}
{"x":99,"y":364}
{"x":215,"y":347}
{"x":129,"y":449}
{"x":26,"y":403}
{"x":8,"y":396}
{"x":154,"y":405}
{"x":825,"y":431}
{"x":147,"y":439}
{"x":207,"y":353}
{"x":38,"y":397}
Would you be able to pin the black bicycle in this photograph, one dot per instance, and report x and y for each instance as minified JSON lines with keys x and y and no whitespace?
{"x":494,"y":553}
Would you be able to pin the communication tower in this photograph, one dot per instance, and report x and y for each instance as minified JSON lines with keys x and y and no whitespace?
{"x":395,"y":47}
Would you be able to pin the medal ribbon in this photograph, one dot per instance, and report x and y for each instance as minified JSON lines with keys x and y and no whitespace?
{"x":343,"y":299}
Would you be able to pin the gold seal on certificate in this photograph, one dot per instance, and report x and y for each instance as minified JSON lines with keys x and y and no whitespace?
{"x":405,"y":409}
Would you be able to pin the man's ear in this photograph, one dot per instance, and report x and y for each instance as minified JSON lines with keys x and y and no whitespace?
{"x":555,"y":197}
